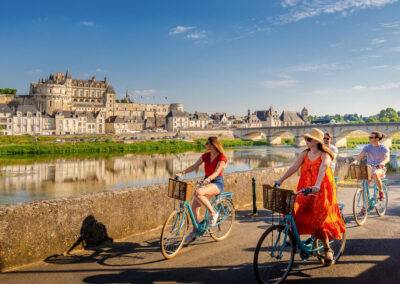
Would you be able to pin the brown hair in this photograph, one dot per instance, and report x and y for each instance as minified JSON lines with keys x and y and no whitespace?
{"x":323,"y":148}
{"x":213,"y":140}
{"x":378,"y":135}
{"x":328,"y":134}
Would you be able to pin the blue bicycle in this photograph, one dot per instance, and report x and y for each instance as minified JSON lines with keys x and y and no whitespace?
{"x":366,"y":201}
{"x":275,"y":251}
{"x":177,"y":224}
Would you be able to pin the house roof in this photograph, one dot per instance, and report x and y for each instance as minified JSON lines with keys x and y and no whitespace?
{"x":24,"y":109}
{"x":5,"y":108}
{"x":290,"y":116}
{"x":177,"y":113}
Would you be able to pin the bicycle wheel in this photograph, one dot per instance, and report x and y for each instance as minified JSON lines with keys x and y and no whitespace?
{"x":381,"y":205}
{"x":360,"y":208}
{"x":173,"y":234}
{"x":274,"y":255}
{"x":225,"y":220}
{"x":336,"y":245}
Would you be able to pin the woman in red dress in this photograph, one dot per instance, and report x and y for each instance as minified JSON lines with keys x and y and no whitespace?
{"x":213,"y":184}
{"x":317,"y":214}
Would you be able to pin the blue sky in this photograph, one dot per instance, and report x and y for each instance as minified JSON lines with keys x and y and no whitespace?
{"x":330,"y":56}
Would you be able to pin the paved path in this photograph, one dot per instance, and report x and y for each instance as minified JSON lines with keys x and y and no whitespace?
{"x":372,"y":255}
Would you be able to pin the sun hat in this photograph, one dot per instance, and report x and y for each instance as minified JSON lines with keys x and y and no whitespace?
{"x":316,"y":135}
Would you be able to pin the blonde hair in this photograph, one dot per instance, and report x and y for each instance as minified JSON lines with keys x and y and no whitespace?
{"x":213,"y":140}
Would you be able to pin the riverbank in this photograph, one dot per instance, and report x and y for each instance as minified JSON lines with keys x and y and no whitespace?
{"x":353,"y":142}
{"x":28,"y":145}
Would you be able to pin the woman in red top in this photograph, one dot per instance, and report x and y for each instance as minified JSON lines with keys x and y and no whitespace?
{"x":214,"y":163}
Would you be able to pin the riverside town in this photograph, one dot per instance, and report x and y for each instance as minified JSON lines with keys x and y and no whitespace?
{"x":200,"y":142}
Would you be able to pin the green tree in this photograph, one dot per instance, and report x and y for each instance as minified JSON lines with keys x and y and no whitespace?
{"x":8,"y":91}
{"x":388,"y":115}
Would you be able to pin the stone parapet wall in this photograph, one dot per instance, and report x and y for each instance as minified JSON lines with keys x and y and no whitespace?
{"x":33,"y":231}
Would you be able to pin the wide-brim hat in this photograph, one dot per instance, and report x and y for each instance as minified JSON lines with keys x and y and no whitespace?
{"x":315,"y":134}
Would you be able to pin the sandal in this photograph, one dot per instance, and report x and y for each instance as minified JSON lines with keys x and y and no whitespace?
{"x":328,"y":259}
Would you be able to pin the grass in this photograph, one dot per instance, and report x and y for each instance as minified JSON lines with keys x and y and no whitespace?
{"x":352,"y":142}
{"x":30,"y":146}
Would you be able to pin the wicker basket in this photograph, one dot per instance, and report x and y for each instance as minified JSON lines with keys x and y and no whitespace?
{"x":179,"y":189}
{"x":277,"y":199}
{"x":359,"y":172}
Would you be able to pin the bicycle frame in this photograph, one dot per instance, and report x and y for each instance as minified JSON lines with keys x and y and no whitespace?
{"x":368,"y":201}
{"x":202,"y":226}
{"x":306,"y":247}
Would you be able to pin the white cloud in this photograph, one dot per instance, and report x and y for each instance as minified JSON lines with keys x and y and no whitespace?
{"x":277,"y":84}
{"x":299,"y":10}
{"x":359,"y":87}
{"x":380,"y":66}
{"x":378,"y":41}
{"x":381,"y":87}
{"x":35,"y":71}
{"x":196,"y":35}
{"x":180,"y":30}
{"x":391,"y":25}
{"x":315,"y":67}
{"x":88,"y":24}
{"x":145,"y":92}
{"x":289,"y":3}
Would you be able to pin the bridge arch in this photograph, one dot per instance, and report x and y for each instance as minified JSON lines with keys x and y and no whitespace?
{"x":276,"y":137}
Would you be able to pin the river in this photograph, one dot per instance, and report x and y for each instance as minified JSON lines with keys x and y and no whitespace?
{"x":68,"y":177}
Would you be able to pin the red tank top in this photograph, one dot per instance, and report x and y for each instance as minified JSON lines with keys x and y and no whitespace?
{"x":211,"y":166}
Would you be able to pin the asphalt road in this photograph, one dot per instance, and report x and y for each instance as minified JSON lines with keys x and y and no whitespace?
{"x":372,"y":255}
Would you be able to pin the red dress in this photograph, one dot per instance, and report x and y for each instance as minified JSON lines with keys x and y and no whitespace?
{"x":318,"y":214}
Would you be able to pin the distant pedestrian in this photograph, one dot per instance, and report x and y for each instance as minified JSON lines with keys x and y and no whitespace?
{"x":333,"y":148}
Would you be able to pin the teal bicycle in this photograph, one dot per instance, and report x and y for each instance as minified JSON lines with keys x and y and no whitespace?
{"x":177,"y":224}
{"x":366,"y":197}
{"x":275,"y":251}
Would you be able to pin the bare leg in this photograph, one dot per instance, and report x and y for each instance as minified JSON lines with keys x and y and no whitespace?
{"x":328,"y":251}
{"x":196,"y":208}
{"x":378,"y":181}
{"x":203,"y":192}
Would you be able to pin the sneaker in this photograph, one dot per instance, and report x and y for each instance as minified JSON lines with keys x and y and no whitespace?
{"x":190,"y":238}
{"x":380,"y":196}
{"x":363,"y":211}
{"x":214,"y":219}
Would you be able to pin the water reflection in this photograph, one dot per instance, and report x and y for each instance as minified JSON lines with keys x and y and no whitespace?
{"x":75,"y":176}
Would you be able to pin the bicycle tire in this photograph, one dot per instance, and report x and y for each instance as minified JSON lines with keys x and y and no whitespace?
{"x":165,"y":252}
{"x":386,"y":200}
{"x":360,"y":221}
{"x":213,"y":234}
{"x":256,"y":264}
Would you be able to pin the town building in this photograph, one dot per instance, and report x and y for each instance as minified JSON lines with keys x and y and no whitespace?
{"x":199,"y":120}
{"x":123,"y":125}
{"x":177,"y":120}
{"x":271,"y":117}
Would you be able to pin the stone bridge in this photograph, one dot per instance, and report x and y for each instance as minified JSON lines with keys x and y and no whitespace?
{"x":338,"y":131}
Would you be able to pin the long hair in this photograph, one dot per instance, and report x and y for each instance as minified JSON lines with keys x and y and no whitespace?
{"x":213,"y":140}
{"x":323,"y":148}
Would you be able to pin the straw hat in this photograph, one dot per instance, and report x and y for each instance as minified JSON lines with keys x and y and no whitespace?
{"x":316,"y":135}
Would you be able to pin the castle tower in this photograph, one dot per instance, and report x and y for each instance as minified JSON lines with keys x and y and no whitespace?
{"x":304,"y":114}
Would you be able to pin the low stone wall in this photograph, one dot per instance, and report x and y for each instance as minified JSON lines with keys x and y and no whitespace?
{"x":34,"y":231}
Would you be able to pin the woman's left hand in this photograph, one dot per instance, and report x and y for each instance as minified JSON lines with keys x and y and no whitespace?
{"x":315,"y":189}
{"x":206,"y":181}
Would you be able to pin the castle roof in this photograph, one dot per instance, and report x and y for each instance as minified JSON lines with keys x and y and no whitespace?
{"x":290,"y":116}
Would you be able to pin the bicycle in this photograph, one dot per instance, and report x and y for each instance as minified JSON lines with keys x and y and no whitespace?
{"x":177,"y":224}
{"x":364,"y":202}
{"x":277,"y":246}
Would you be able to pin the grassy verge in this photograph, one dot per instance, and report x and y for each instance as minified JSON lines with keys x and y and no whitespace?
{"x":27,"y":145}
{"x":352,"y":142}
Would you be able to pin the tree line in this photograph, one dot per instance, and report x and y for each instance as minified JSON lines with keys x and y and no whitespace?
{"x":385,"y":115}
{"x":8,"y":91}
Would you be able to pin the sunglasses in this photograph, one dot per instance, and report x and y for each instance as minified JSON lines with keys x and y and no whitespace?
{"x":308,"y":139}
{"x":372,"y":137}
{"x":327,"y":139}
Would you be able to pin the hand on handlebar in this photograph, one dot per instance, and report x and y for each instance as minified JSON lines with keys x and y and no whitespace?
{"x":313,"y":190}
{"x":206,"y":181}
{"x":277,"y":183}
{"x":178,"y":175}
